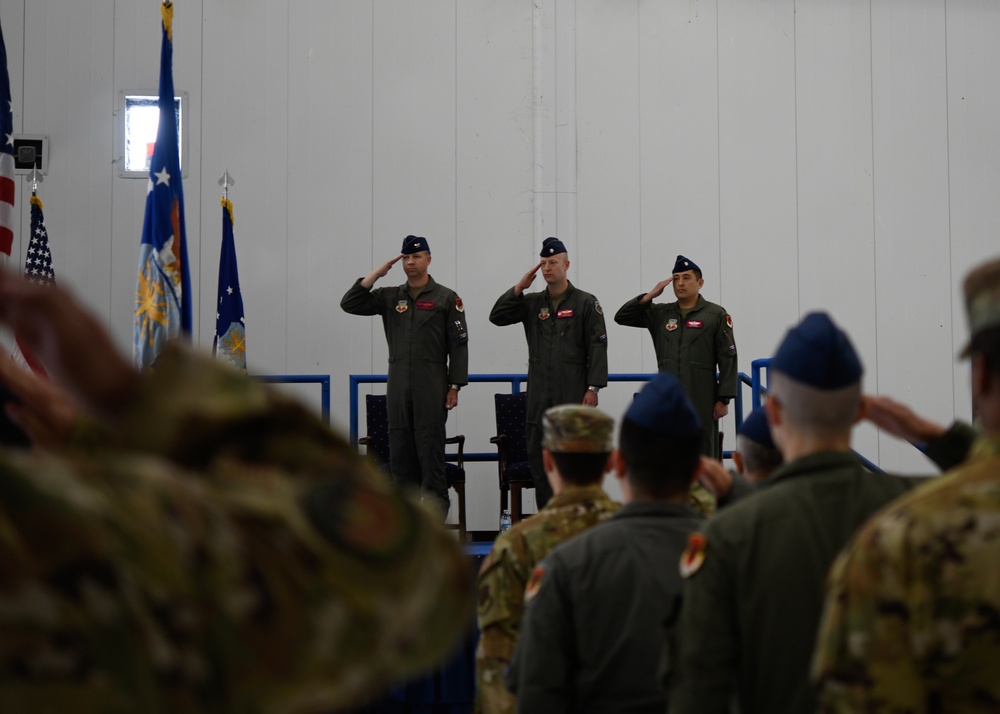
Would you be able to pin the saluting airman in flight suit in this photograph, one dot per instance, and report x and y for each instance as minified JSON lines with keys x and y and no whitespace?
{"x":428,"y":362}
{"x":691,"y":337}
{"x":567,"y":347}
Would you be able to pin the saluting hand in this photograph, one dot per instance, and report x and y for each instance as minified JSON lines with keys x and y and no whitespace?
{"x":900,"y":421}
{"x":657,"y":290}
{"x":380,"y":272}
{"x":714,"y":476}
{"x":527,"y":280}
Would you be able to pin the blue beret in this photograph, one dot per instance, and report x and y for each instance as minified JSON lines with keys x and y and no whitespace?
{"x":414,"y":244}
{"x":682,"y":264}
{"x":756,"y":428}
{"x":818,"y":353}
{"x":552,"y":246}
{"x":663,"y":408}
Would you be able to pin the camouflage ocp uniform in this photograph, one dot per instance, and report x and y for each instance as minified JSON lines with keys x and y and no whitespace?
{"x":221,"y":551}
{"x":568,"y":429}
{"x":912,"y":610}
{"x":505,"y":573}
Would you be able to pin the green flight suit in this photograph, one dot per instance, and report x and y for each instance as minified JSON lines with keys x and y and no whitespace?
{"x":567,"y":352}
{"x":590,"y":639}
{"x":691,"y":348}
{"x":505,"y":573}
{"x":216,"y":549}
{"x":750,"y":612}
{"x":428,"y":350}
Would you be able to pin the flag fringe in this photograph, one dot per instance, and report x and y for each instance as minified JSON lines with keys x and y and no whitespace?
{"x":228,"y":205}
{"x":167,"y":11}
{"x":37,"y":201}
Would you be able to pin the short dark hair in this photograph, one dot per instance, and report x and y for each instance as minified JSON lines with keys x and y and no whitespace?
{"x":757,"y":458}
{"x":987,"y":343}
{"x":581,"y":469}
{"x":697,"y":273}
{"x":659,"y":465}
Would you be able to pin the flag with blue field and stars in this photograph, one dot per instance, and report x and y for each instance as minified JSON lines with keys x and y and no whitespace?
{"x":230,"y":332}
{"x":37,"y":269}
{"x":163,"y":286}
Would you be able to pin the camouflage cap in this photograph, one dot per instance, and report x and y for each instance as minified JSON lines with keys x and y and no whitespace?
{"x":982,"y":298}
{"x":574,"y":428}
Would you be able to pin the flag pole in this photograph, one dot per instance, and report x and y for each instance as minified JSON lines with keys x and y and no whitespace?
{"x":36,"y":178}
{"x":226,"y":181}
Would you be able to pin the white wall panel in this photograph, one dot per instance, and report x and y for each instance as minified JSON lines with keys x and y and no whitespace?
{"x":913,"y":290}
{"x":494,"y":215}
{"x":836,"y":243}
{"x":757,"y":250}
{"x":973,"y":159}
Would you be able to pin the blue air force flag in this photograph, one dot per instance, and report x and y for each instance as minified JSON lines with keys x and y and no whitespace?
{"x":163,"y":286}
{"x":230,"y":333}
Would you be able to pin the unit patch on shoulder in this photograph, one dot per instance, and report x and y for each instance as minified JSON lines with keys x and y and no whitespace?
{"x":597,"y":307}
{"x":729,"y":321}
{"x":461,"y":308}
{"x":694,"y":555}
{"x":534,"y":583}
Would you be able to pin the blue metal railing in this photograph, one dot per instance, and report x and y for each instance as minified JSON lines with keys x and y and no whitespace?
{"x":322,"y":379}
{"x":516,"y":381}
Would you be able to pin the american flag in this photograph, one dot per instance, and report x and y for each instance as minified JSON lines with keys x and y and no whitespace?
{"x":163,"y":285}
{"x":230,"y":334}
{"x":6,"y":155}
{"x":37,"y":269}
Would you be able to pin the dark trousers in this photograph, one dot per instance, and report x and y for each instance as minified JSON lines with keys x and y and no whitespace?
{"x":416,"y":448}
{"x":533,"y":437}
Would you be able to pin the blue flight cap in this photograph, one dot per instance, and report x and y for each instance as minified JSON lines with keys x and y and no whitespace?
{"x":552,"y":246}
{"x":818,"y":353}
{"x":756,"y":428}
{"x":682,"y":264}
{"x":414,"y":244}
{"x":663,"y":408}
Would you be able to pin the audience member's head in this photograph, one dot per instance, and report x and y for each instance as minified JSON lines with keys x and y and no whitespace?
{"x":756,"y":456}
{"x":982,"y":304}
{"x":576,"y":444}
{"x":814,"y":384}
{"x":659,"y":442}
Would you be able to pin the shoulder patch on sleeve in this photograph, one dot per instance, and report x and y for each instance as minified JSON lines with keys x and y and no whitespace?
{"x":729,"y":321}
{"x":597,"y":307}
{"x":534,"y":583}
{"x":461,"y":308}
{"x":694,"y":555}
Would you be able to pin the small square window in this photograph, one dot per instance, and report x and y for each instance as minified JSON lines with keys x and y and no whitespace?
{"x":138,"y":120}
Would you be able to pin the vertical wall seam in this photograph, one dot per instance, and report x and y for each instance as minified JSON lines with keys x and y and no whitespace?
{"x":795,"y":124}
{"x":871,"y":90}
{"x":951,"y":246}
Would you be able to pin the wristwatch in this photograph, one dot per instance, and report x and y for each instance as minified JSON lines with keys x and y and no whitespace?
{"x":456,"y":387}
{"x":595,"y":390}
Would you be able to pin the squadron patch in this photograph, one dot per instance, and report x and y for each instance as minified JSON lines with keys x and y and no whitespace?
{"x":534,"y":583}
{"x":694,"y":555}
{"x":597,"y":307}
{"x":543,"y":314}
{"x":729,"y":321}
{"x":461,"y":308}
{"x":671,"y":324}
{"x":402,"y":307}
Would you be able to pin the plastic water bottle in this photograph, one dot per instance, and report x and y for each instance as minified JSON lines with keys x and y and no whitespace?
{"x":504,"y":521}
